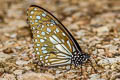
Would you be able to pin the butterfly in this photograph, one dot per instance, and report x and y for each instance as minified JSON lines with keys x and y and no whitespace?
{"x":54,"y":45}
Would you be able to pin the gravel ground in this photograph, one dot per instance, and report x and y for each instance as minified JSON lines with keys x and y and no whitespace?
{"x":94,"y":23}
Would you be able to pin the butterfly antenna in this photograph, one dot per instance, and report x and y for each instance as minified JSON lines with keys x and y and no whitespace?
{"x":97,"y":63}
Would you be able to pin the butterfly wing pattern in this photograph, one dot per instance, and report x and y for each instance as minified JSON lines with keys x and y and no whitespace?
{"x":53,"y":43}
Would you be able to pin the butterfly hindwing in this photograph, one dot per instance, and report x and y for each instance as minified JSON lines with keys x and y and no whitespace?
{"x":52,"y":43}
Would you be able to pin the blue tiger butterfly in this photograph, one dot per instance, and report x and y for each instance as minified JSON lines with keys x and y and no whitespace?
{"x":54,"y":45}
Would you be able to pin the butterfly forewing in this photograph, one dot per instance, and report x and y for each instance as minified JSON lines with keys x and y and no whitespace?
{"x":51,"y":42}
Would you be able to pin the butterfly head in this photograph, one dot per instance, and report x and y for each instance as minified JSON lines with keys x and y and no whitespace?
{"x":79,"y":59}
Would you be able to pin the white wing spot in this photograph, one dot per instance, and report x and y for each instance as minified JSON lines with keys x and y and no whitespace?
{"x":45,"y":45}
{"x":43,"y":26}
{"x":38,"y":17}
{"x":44,"y":51}
{"x":46,"y":57}
{"x":68,"y":43}
{"x":47,"y":32}
{"x":33,"y":28}
{"x":48,"y":54}
{"x":36,"y":20}
{"x":38,"y":52}
{"x":63,"y":34}
{"x":63,"y":41}
{"x":37,"y":49}
{"x":37,"y":31}
{"x":51,"y":24}
{"x":46,"y":60}
{"x":43,"y":48}
{"x":48,"y":29}
{"x":52,"y":21}
{"x":48,"y":24}
{"x":30,"y":16}
{"x":74,"y":49}
{"x":40,"y":58}
{"x":42,"y":61}
{"x":32,"y":23}
{"x":48,"y":63}
{"x":43,"y":33}
{"x":43,"y":15}
{"x":57,"y":30}
{"x":38,"y":35}
{"x":36,"y":40}
{"x":31,"y":12}
{"x":35,"y":8}
{"x":38,"y":44}
{"x":45,"y":38}
{"x":42,"y":40}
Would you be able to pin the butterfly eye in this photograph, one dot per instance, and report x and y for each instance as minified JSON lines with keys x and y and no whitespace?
{"x":53,"y":43}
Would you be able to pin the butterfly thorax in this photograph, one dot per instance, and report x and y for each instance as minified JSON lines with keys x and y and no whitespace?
{"x":79,"y":59}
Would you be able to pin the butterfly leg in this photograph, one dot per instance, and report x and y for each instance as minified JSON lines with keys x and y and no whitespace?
{"x":81,"y":70}
{"x":81,"y":73}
